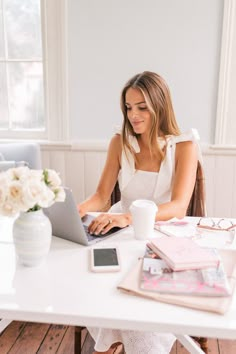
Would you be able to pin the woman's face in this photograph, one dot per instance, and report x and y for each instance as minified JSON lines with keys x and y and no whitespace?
{"x":137,"y":112}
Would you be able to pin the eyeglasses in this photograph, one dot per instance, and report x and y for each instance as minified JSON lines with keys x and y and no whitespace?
{"x":226,"y":226}
{"x":216,"y":225}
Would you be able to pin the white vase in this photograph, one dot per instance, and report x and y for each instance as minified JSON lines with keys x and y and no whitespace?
{"x":32,"y":234}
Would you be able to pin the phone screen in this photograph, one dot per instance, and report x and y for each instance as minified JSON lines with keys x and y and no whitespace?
{"x":105,"y":257}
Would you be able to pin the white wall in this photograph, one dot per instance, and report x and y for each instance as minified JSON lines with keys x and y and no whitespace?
{"x":109,"y":41}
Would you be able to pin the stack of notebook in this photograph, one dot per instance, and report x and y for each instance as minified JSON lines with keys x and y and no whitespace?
{"x":183,"y":274}
{"x":180,"y":266}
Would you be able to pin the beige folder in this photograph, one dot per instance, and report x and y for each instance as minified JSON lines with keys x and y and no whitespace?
{"x":207,"y":303}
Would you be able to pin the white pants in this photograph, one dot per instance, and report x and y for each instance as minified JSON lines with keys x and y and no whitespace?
{"x":135,"y":342}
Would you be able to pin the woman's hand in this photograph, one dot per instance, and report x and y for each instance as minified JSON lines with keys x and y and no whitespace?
{"x":104,"y":222}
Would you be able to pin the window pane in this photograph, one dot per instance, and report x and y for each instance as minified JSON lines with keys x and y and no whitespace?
{"x":3,"y":97}
{"x":23,"y":28}
{"x":1,"y":33}
{"x":26,"y":95}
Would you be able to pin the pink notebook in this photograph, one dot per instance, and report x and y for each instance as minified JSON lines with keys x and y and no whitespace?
{"x":183,"y":253}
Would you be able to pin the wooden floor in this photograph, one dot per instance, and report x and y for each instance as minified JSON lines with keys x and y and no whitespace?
{"x":31,"y":338}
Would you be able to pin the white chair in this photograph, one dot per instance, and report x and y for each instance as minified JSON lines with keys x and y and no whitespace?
{"x":15,"y":154}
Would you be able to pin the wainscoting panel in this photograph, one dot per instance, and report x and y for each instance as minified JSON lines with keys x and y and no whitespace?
{"x":74,"y":176}
{"x":80,"y":167}
{"x":224,"y":184}
{"x":233,"y":191}
{"x":93,"y":165}
{"x":220,"y":174}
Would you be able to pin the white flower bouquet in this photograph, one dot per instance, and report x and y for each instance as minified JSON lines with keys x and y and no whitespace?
{"x":24,"y":190}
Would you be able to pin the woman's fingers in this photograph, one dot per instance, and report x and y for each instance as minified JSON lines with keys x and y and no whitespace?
{"x":101,"y":224}
{"x":108,"y":227}
{"x":105,"y":222}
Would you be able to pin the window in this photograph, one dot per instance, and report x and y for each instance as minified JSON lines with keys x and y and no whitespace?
{"x":33,"y":91}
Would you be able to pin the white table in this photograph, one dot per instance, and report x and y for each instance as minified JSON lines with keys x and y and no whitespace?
{"x":63,"y":290}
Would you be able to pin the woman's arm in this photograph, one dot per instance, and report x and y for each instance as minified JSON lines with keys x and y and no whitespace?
{"x":186,"y":159}
{"x":107,"y":181}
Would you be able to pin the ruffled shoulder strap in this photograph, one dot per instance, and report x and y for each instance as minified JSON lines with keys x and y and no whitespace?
{"x":132,"y":139}
{"x":191,"y":135}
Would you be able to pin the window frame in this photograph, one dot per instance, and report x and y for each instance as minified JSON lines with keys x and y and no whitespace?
{"x":54,"y":47}
{"x":225,"y":122}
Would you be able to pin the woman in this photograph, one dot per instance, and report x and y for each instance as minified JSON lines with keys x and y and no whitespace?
{"x":151,"y":160}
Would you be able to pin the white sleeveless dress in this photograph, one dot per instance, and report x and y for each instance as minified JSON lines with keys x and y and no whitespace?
{"x":156,"y":186}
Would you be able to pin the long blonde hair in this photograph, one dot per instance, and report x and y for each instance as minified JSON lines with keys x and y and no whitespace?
{"x":158,"y":99}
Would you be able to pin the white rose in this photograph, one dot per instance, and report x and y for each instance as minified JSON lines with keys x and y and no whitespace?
{"x":53,"y":179}
{"x":9,"y":208}
{"x":36,"y":175}
{"x":15,"y":190}
{"x":16,"y":195}
{"x":18,"y":173}
{"x":47,"y":198}
{"x":32,"y":192}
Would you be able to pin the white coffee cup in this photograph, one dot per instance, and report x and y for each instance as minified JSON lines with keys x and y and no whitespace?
{"x":143,"y":213}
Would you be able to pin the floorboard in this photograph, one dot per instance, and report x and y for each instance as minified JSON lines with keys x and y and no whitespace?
{"x":53,"y":339}
{"x":10,"y":335}
{"x":37,"y":338}
{"x":67,"y":343}
{"x":30,"y":338}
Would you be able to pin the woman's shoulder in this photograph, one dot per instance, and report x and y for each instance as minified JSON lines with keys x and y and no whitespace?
{"x":187,"y":148}
{"x":115,"y":143}
{"x":116,"y":139}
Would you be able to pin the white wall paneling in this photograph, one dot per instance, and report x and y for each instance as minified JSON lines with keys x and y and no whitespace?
{"x":233,"y":190}
{"x":220,"y":174}
{"x":75,"y":173}
{"x":80,"y":167}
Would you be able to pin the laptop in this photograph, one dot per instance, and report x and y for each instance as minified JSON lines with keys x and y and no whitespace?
{"x":67,"y":223}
